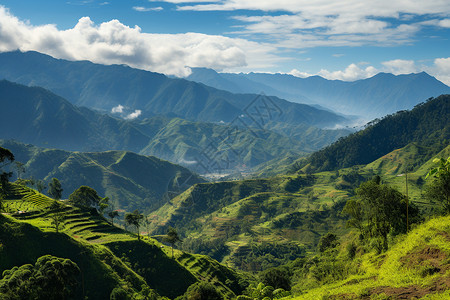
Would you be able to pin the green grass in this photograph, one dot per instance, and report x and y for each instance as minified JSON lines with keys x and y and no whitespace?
{"x":406,"y":264}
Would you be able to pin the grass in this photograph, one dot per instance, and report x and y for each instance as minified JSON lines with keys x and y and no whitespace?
{"x":403,"y":268}
{"x":118,"y":258}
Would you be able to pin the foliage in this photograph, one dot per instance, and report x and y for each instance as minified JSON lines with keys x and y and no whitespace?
{"x":86,"y":197}
{"x":113,"y":214}
{"x":426,"y":124}
{"x":50,"y":278}
{"x":328,"y":241}
{"x":439,"y":190}
{"x":378,"y":210}
{"x":276,"y":277}
{"x":202,"y":291}
{"x":135,"y":218}
{"x":54,"y":189}
{"x":172,"y":237}
{"x":6,"y":157}
{"x":261,"y":291}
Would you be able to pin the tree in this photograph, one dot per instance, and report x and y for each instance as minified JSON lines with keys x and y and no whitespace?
{"x":439,"y":189}
{"x":40,"y":185}
{"x":134,"y":219}
{"x":379,"y":210}
{"x":20,"y":169}
{"x":54,"y":189}
{"x":50,"y":278}
{"x":328,"y":241}
{"x":202,"y":291}
{"x":6,"y":158}
{"x":86,"y":197}
{"x":172,"y":237}
{"x":113,"y":214}
{"x":276,"y":277}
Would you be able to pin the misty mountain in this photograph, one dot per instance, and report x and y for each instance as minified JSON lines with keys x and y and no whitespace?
{"x":426,"y":125}
{"x":104,"y":87}
{"x":370,"y":98}
{"x":37,"y":116}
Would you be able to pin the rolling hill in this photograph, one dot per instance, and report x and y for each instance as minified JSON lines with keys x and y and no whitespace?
{"x":131,"y":181}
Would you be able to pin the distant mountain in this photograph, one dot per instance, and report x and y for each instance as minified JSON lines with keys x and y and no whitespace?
{"x":37,"y":116}
{"x":427,"y":125}
{"x":104,"y":87}
{"x":130,"y":180}
{"x":370,"y":98}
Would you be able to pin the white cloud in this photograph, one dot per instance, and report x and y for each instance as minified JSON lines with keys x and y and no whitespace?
{"x":144,"y":9}
{"x":441,"y":70}
{"x":351,"y":73}
{"x":297,"y":73}
{"x":400,"y":66}
{"x":134,"y":115}
{"x":118,"y":109}
{"x":115,"y":43}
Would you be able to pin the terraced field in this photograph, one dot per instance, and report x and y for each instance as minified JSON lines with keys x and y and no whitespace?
{"x":87,"y":227}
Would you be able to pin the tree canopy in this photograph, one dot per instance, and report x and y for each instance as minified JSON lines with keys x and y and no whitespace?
{"x":86,"y":197}
{"x":135,"y":218}
{"x":54,"y":189}
{"x":439,"y":189}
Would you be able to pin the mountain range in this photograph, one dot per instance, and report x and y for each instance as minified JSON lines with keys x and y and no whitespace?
{"x":369,"y":98}
{"x":117,"y":86}
{"x":37,"y":116}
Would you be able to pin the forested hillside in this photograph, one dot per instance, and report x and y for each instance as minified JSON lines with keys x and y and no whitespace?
{"x":131,"y":181}
{"x":427,"y":124}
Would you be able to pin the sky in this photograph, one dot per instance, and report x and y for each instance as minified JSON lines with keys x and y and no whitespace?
{"x":336,"y":39}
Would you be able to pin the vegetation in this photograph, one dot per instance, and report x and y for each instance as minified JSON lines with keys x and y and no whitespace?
{"x":135,"y":218}
{"x":54,"y":189}
{"x":427,"y":124}
{"x":439,"y":190}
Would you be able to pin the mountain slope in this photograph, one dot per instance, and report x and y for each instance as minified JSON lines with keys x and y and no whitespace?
{"x":426,"y":124}
{"x":37,"y":116}
{"x":370,"y":98}
{"x":131,"y":181}
{"x":104,"y":87}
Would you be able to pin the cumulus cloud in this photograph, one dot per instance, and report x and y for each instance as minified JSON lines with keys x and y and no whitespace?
{"x":117,"y":109}
{"x":134,"y":115}
{"x":400,"y":66}
{"x":441,"y":70}
{"x":351,"y":73}
{"x":115,"y":43}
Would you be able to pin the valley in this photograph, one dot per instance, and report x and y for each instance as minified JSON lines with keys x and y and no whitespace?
{"x":203,"y":194}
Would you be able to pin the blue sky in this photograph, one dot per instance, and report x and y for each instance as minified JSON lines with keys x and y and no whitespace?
{"x":345,"y":39}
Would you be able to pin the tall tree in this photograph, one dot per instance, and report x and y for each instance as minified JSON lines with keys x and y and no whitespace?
{"x":378,"y":210}
{"x":172,"y":237}
{"x":54,"y":189}
{"x":6,"y":157}
{"x":135,"y":218}
{"x":439,"y":189}
{"x":86,"y":197}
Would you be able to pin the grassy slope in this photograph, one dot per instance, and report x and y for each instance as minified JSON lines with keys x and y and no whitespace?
{"x":418,"y":265}
{"x":114,"y":256}
{"x":286,"y":208}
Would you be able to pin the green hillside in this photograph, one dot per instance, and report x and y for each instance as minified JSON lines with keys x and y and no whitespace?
{"x":107,"y":256}
{"x":131,"y":181}
{"x":427,"y":125}
{"x":416,"y":267}
{"x":37,"y":116}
